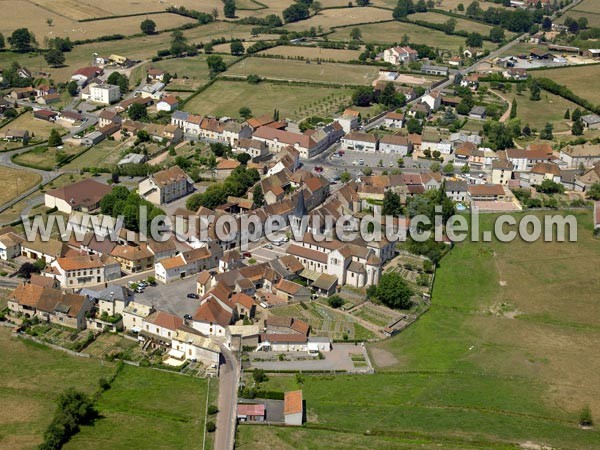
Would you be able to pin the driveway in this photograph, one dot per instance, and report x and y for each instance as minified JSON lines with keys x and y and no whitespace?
{"x":339,"y":358}
{"x":227,"y":415}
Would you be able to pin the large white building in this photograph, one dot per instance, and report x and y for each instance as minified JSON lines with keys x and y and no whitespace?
{"x":105,"y":94}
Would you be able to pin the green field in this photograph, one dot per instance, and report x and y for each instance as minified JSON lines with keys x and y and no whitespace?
{"x":31,"y":378}
{"x":148,"y":409}
{"x":461,"y":24}
{"x":303,"y":71}
{"x":144,"y":407}
{"x":501,"y":358}
{"x":194,"y":69}
{"x":393,"y":32}
{"x":551,"y":108}
{"x":225,"y":98}
{"x":341,"y":17}
{"x":44,"y":158}
{"x":583,"y":80}
{"x":105,"y":154}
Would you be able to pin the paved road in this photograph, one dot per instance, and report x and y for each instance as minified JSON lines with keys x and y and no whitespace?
{"x":226,"y":417}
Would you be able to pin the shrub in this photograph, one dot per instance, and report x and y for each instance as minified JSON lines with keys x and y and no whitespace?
{"x":210,"y":426}
{"x":212,"y":409}
{"x":335,"y":301}
{"x":585,"y":417}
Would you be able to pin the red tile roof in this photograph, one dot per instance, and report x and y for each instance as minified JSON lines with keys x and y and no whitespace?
{"x":292,"y":402}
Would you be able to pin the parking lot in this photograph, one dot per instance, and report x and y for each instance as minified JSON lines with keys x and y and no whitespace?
{"x":171,"y":297}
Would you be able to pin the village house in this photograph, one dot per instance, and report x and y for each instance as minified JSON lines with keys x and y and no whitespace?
{"x":576,"y":155}
{"x":393,"y":120}
{"x":44,"y":249}
{"x":16,"y":135}
{"x":291,"y":292}
{"x":83,"y":196}
{"x":362,"y":142}
{"x":349,"y":120}
{"x":194,"y":347}
{"x":155,"y":74}
{"x":168,"y":103}
{"x":85,"y":74}
{"x":249,"y":412}
{"x":134,"y":314}
{"x":544,"y":171}
{"x":212,"y":318}
{"x":160,"y":324}
{"x":501,"y":171}
{"x":523,"y":160}
{"x":78,"y":271}
{"x":308,"y":144}
{"x":186,"y":263}
{"x":165,"y":186}
{"x":50,"y":305}
{"x":109,"y":117}
{"x":400,"y":55}
{"x":398,"y":145}
{"x":10,"y":245}
{"x":225,"y":167}
{"x":133,"y":258}
{"x":104,"y":94}
{"x":433,"y":99}
{"x":591,"y":121}
{"x":456,"y":190}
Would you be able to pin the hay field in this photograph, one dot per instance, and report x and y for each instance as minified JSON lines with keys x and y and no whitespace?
{"x":313,"y":53}
{"x":34,"y":17}
{"x":583,"y":81}
{"x":15,"y":182}
{"x":392,"y":32}
{"x":302,"y":71}
{"x":461,"y":24}
{"x":341,"y":17}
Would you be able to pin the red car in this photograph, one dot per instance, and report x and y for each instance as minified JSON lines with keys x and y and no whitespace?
{"x":318,"y":169}
{"x":247,"y":255}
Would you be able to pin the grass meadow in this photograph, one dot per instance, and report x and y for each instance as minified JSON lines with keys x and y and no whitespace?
{"x":583,"y":80}
{"x":502,"y":358}
{"x":225,"y":98}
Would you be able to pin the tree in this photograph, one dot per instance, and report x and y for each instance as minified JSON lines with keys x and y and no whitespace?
{"x":593,"y":192}
{"x":526,"y":131}
{"x":210,"y":426}
{"x":259,"y":375}
{"x":258,"y":196}
{"x":582,"y":23}
{"x":54,"y":57}
{"x":229,"y":9}
{"x":137,"y":111}
{"x":362,"y":2}
{"x":335,"y":301}
{"x":237,"y":48}
{"x":497,"y":34}
{"x":363,"y":96}
{"x":546,"y":133}
{"x":243,"y":158}
{"x":72,"y":88}
{"x":27,"y":269}
{"x":50,"y":21}
{"x":450,"y":25}
{"x":345,"y":176}
{"x":474,"y":40}
{"x":474,"y":10}
{"x":535,"y":91}
{"x":414,"y":126}
{"x":551,"y":187}
{"x":253,"y":78}
{"x":216,"y":64}
{"x":2,"y":43}
{"x":355,"y":34}
{"x":576,"y":116}
{"x":208,"y":48}
{"x":393,"y":291}
{"x":245,"y":112}
{"x":577,"y":128}
{"x":403,"y":8}
{"x":178,"y":43}
{"x":54,"y":140}
{"x":120,"y":80}
{"x":392,"y":205}
{"x":460,"y":7}
{"x":448,"y":168}
{"x":148,"y":26}
{"x":367,"y":171}
{"x":567,"y":115}
{"x":546,"y":23}
{"x":22,"y":40}
{"x":513,"y":109}
{"x":465,"y":169}
{"x":295,"y":13}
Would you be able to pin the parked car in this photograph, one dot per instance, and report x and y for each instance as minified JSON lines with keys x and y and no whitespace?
{"x":361,"y":162}
{"x":139,"y":290}
{"x":192,"y":295}
{"x":247,"y":255}
{"x":269,"y":246}
{"x":318,"y":169}
{"x":187,"y":317}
